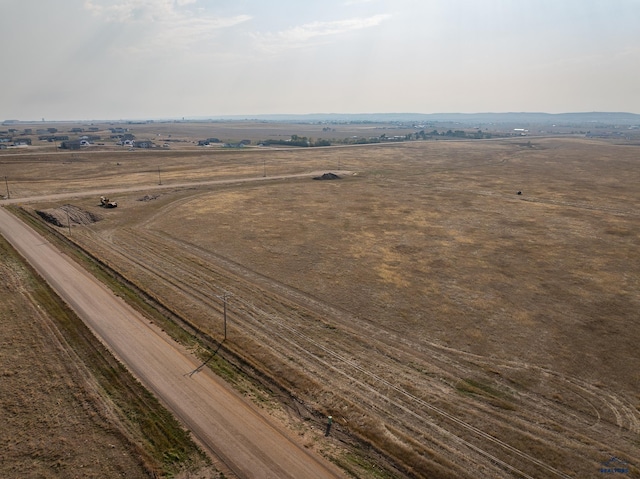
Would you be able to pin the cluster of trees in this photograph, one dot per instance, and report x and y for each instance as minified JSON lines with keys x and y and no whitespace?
{"x":476,"y":135}
{"x":303,"y":141}
{"x":296,"y":140}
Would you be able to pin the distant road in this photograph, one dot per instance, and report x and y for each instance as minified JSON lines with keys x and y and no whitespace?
{"x":167,"y":186}
{"x":230,"y":427}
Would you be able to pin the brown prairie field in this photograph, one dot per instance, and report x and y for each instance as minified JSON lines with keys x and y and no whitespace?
{"x":457,"y":328}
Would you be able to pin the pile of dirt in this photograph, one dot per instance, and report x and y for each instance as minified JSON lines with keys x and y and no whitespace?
{"x":327,"y":176}
{"x":68,"y":214}
{"x":148,"y":197}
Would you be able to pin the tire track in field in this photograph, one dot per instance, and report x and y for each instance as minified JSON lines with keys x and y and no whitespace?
{"x":196,"y":283}
{"x":434,"y":351}
{"x":256,"y":327}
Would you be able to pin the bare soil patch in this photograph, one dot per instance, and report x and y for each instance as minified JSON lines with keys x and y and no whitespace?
{"x":68,"y":215}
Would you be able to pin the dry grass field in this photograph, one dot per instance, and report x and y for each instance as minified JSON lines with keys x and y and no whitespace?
{"x":456,"y":327}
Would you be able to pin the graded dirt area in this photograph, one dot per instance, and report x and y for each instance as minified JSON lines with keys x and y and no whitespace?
{"x":456,"y":326}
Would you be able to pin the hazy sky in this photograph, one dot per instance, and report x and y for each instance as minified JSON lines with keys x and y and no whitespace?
{"x":128,"y":59}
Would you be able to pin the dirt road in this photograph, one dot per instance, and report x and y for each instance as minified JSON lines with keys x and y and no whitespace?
{"x":230,"y":427}
{"x":163,"y":186}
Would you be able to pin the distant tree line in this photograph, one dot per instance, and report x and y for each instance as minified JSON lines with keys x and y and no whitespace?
{"x":295,"y":140}
{"x":303,"y":141}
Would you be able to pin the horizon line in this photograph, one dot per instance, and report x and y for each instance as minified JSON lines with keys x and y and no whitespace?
{"x":317,"y":114}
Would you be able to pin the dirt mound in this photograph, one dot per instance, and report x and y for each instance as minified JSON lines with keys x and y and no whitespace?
{"x":327,"y":176}
{"x":66,"y":214}
{"x":148,"y":197}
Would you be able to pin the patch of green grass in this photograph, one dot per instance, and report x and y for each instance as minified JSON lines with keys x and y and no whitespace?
{"x":357,"y":465}
{"x":478,"y":389}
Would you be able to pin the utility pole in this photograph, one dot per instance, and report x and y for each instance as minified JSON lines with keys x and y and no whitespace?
{"x":6,"y":182}
{"x":159,"y":178}
{"x":224,"y":297}
{"x":68,"y":222}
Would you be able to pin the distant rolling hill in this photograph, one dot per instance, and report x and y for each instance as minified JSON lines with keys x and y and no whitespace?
{"x":608,"y":118}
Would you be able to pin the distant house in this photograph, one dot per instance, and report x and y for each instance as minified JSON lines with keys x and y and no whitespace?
{"x":144,"y":144}
{"x":53,"y":138}
{"x":22,"y":141}
{"x":208,"y":141}
{"x":76,"y":130}
{"x":71,"y":145}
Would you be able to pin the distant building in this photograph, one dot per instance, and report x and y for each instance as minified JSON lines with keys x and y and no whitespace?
{"x":71,"y":145}
{"x":208,"y":141}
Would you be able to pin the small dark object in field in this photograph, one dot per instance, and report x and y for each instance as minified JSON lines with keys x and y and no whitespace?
{"x":327,"y":176}
{"x":519,"y":192}
{"x":148,"y":198}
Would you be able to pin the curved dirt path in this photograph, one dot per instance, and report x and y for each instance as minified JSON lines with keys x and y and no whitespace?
{"x":245,"y":441}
